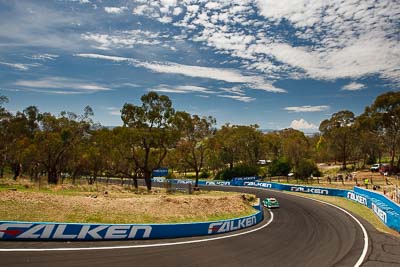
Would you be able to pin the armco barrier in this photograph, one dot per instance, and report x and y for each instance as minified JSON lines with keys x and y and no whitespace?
{"x":10,"y":230}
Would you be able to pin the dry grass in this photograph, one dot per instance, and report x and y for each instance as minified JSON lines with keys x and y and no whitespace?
{"x":120,"y":205}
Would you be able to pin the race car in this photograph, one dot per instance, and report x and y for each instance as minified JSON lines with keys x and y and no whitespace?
{"x":270,"y":203}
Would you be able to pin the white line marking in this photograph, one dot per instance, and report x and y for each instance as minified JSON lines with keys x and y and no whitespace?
{"x":366,"y":240}
{"x":141,"y":246}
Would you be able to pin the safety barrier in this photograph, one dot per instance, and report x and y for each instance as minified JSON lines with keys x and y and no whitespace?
{"x":11,"y":230}
{"x":299,"y":188}
{"x":386,"y":210}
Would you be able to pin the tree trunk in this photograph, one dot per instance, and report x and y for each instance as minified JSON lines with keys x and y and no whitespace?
{"x":196,"y":184}
{"x":52,"y":176}
{"x":398,"y":163}
{"x":17,"y":170}
{"x":344,"y":167}
{"x":393,"y":152}
{"x":147,"y":179}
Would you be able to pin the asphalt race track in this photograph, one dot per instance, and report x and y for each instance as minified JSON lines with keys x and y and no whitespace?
{"x":303,"y":233}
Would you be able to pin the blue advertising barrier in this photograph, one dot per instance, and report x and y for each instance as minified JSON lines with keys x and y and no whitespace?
{"x":160,"y":172}
{"x":237,"y":181}
{"x":386,"y":210}
{"x":188,"y":181}
{"x":10,"y":230}
{"x":299,"y":188}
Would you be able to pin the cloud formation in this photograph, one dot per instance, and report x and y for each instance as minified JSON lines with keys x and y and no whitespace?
{"x":114,"y":111}
{"x":181,"y":89}
{"x":69,"y":86}
{"x":302,"y":124}
{"x":19,"y":66}
{"x":43,"y":57}
{"x":122,"y":39}
{"x":221,"y":74}
{"x":307,"y":108}
{"x":324,"y":40}
{"x":353,"y":87}
{"x":115,"y":10}
{"x":240,"y":98}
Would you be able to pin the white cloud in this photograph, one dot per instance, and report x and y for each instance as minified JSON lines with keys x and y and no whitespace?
{"x":227,"y":75}
{"x":177,"y":11}
{"x":122,"y":39}
{"x":353,"y":87}
{"x":73,"y":85}
{"x":350,"y":38}
{"x":114,"y":111}
{"x":245,"y":99}
{"x":19,"y":66}
{"x":115,"y":10}
{"x":44,"y":57}
{"x":81,"y":1}
{"x":307,"y":108}
{"x":342,"y":39}
{"x":302,"y":125}
{"x":105,"y":57}
{"x":181,"y":89}
{"x":236,"y":90}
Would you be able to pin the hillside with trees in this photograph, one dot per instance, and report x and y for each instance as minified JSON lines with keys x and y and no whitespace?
{"x":153,"y":135}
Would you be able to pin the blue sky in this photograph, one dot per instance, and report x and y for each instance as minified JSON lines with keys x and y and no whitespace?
{"x":287,"y":63}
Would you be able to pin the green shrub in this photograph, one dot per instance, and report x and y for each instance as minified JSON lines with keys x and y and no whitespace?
{"x":280,"y":167}
{"x":204,"y":175}
{"x":306,"y":168}
{"x":371,"y":160}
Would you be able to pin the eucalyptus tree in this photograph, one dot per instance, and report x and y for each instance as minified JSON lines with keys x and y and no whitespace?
{"x":17,"y":137}
{"x":239,"y":143}
{"x":57,"y":138}
{"x":251,"y":143}
{"x":385,"y":113}
{"x":150,"y":131}
{"x":339,"y":132}
{"x":194,"y":133}
{"x":4,"y":117}
{"x":370,"y":143}
{"x":295,"y":147}
{"x":273,"y":145}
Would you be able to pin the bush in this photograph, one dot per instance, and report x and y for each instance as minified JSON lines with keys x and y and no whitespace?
{"x":204,"y":175}
{"x":371,"y":160}
{"x":280,"y":167}
{"x":237,"y":171}
{"x":306,"y":168}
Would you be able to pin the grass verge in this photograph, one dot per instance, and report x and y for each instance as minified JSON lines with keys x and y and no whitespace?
{"x":119,"y":205}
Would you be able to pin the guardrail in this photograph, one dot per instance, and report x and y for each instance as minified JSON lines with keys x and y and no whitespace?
{"x":42,"y":231}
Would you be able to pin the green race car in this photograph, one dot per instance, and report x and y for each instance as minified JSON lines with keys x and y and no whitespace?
{"x":270,"y":203}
